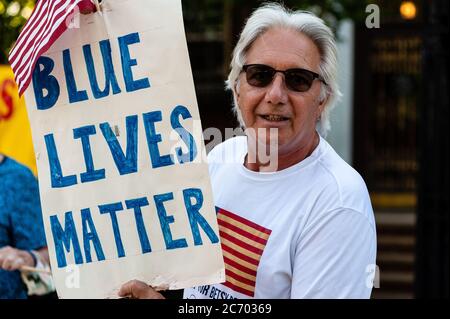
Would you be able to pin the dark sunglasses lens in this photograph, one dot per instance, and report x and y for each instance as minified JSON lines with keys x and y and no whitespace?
{"x":299,"y":80}
{"x":259,"y":76}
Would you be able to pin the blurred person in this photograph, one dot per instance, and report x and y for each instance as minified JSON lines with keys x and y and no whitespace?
{"x":22,"y":237}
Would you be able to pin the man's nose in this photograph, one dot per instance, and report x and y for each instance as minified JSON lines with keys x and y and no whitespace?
{"x":277,"y":90}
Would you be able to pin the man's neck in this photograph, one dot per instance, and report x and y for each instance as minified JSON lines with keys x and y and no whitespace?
{"x":284,"y":159}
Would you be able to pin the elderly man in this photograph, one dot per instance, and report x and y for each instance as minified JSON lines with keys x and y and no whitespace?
{"x":303,"y":218}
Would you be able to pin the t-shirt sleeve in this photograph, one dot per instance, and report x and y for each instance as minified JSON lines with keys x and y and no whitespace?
{"x":335,"y":256}
{"x":26,"y":217}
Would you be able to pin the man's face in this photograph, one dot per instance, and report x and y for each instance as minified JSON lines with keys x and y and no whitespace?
{"x":293,"y":113}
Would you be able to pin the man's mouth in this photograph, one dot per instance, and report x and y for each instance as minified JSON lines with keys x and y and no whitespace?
{"x":274,"y":118}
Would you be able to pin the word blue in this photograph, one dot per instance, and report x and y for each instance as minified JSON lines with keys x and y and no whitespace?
{"x":44,"y":81}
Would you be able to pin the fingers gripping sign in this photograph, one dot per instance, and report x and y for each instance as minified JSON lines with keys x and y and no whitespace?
{"x":136,"y":289}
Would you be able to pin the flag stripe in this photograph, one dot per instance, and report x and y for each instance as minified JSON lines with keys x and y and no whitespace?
{"x":240,"y":243}
{"x":245,"y":221}
{"x":236,"y":265}
{"x":57,"y":19}
{"x":235,"y":235}
{"x":25,"y":79}
{"x":33,"y":39}
{"x":245,"y":281}
{"x":237,"y":288}
{"x":242,"y":226}
{"x":45,"y":26}
{"x":241,"y":284}
{"x":241,"y":250}
{"x":240,"y":255}
{"x":33,"y":24}
{"x":244,"y":233}
{"x":28,"y":76}
{"x":243,"y":244}
{"x":28,"y":37}
{"x":243,"y":263}
{"x":50,"y":31}
{"x":239,"y":272}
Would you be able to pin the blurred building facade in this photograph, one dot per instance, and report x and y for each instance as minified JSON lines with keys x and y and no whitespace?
{"x":388,"y":73}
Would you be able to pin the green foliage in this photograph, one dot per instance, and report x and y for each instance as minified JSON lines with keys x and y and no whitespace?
{"x":13,"y":15}
{"x":203,"y":16}
{"x":207,"y":15}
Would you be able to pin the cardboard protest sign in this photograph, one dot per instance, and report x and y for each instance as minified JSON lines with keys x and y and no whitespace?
{"x":124,"y":191}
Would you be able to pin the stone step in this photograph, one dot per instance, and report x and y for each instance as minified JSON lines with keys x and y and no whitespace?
{"x":396,"y":254}
{"x":383,"y":294}
{"x":393,"y":218}
{"x":406,"y":258}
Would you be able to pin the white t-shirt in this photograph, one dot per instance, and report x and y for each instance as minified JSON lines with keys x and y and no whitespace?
{"x":307,"y":231}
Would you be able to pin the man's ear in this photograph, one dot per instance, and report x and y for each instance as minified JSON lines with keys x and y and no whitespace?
{"x":324,"y":102}
{"x":237,"y":96}
{"x":322,"y":105}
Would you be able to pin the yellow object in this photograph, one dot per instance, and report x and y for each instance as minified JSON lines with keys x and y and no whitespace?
{"x":408,"y":10}
{"x":394,"y":200}
{"x":15,"y":131}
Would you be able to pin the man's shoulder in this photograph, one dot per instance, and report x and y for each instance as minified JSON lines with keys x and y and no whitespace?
{"x":342,"y":173}
{"x":342,"y":180}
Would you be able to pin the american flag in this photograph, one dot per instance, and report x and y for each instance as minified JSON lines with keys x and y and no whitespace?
{"x":46,"y":24}
{"x":243,"y":244}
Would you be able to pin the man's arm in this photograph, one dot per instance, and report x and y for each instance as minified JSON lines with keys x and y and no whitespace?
{"x":333,"y":256}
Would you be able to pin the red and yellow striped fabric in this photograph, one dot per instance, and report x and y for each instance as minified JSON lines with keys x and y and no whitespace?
{"x":243,"y":244}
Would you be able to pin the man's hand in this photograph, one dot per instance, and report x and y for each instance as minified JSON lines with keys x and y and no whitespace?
{"x":13,"y":259}
{"x":135,"y":289}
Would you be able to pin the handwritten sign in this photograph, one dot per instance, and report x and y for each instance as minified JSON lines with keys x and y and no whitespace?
{"x":112,"y":107}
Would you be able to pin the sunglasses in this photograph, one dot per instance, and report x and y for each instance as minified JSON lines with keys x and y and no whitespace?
{"x":298,"y":80}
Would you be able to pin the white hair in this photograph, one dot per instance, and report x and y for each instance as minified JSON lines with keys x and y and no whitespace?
{"x":272,"y":15}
